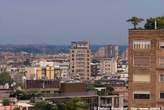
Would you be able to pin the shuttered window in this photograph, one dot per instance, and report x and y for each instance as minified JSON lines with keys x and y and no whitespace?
{"x":161,"y":44}
{"x":141,"y":77}
{"x":141,"y":44}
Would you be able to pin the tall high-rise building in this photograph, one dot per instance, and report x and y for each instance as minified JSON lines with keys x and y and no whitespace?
{"x":100,"y":53}
{"x":108,"y":51}
{"x":111,"y":51}
{"x":80,"y":59}
{"x":125,"y":55}
{"x":146,"y":68}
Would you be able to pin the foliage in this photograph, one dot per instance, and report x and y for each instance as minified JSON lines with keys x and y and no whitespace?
{"x":150,"y":23}
{"x":5,"y":102}
{"x":16,"y":108}
{"x":44,"y":105}
{"x":72,"y":104}
{"x":5,"y":78}
{"x":24,"y":95}
{"x":90,"y":87}
{"x":60,"y":106}
{"x":76,"y":104}
{"x":109,"y":90}
{"x":135,"y":21}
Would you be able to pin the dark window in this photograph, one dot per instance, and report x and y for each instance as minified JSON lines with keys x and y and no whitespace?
{"x":141,"y":96}
{"x":161,"y":60}
{"x":162,"y":77}
{"x":161,"y":44}
{"x":161,"y":95}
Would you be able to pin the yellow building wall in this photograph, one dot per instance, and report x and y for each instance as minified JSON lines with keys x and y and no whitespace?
{"x":52,"y":73}
{"x":39,"y":73}
{"x":49,"y":73}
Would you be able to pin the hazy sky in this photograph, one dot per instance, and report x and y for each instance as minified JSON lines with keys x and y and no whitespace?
{"x":63,"y":21}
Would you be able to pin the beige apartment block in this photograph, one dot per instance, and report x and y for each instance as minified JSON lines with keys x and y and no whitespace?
{"x":108,"y":66}
{"x":80,"y":59}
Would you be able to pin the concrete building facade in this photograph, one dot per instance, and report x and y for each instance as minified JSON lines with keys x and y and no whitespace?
{"x":106,"y":66}
{"x":80,"y":59}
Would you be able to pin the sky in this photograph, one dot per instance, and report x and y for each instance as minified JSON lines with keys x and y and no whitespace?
{"x":59,"y":22}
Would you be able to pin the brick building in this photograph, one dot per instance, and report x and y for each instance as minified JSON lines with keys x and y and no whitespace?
{"x":146,"y":68}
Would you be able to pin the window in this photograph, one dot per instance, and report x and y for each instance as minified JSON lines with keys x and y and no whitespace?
{"x":142,"y":95}
{"x":141,"y":61}
{"x":161,"y":61}
{"x":141,"y":78}
{"x":161,"y":44}
{"x":80,"y":55}
{"x":162,"y":77}
{"x":80,"y":70}
{"x":161,"y":95}
{"x":80,"y":58}
{"x":141,"y":44}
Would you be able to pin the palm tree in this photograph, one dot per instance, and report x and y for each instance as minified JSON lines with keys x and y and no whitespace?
{"x":135,"y":21}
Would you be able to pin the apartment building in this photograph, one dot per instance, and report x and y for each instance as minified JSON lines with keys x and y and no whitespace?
{"x":108,"y":51}
{"x":106,"y":66}
{"x":146,"y":68}
{"x":47,"y":72}
{"x":80,"y":59}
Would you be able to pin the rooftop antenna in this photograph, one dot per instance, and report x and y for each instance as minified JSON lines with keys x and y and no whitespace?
{"x":155,"y":26}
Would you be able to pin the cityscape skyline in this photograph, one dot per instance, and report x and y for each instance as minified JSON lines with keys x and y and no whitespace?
{"x":60,"y":22}
{"x":82,"y":55}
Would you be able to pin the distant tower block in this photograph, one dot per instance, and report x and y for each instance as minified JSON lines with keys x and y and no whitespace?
{"x":80,"y":60}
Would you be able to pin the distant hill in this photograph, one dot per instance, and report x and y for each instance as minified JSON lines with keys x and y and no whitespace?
{"x":46,"y":49}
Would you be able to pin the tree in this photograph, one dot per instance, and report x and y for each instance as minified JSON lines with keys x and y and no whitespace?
{"x":6,"y":102}
{"x":135,"y":21}
{"x":60,"y":106}
{"x":72,"y":104}
{"x":90,"y":87}
{"x":150,"y":23}
{"x":109,"y":90}
{"x":25,"y":95}
{"x":5,"y":78}
{"x":76,"y":104}
{"x":43,"y":105}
